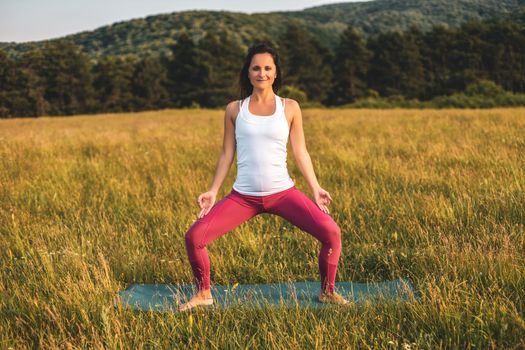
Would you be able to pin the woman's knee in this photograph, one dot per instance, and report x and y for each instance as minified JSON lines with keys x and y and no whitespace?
{"x":194,"y":236}
{"x":333,"y":234}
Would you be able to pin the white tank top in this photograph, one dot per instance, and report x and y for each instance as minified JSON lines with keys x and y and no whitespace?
{"x":261,"y":151}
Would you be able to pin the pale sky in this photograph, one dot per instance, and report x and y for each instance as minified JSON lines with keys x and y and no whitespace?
{"x":31,"y":20}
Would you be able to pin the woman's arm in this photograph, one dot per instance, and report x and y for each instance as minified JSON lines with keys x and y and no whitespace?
{"x":228,"y":148}
{"x":302,"y":157}
{"x":207,"y":199}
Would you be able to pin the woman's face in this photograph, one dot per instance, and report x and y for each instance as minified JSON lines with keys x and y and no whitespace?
{"x":262,"y":71}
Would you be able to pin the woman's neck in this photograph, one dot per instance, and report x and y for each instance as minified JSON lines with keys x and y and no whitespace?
{"x":263,"y":96}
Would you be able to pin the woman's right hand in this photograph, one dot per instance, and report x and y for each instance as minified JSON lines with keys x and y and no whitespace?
{"x":206,"y":201}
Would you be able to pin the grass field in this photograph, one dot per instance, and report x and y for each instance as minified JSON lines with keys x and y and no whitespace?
{"x":91,"y":203}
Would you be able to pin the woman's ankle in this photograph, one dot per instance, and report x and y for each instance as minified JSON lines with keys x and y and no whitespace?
{"x":327,"y":291}
{"x":204,"y":293}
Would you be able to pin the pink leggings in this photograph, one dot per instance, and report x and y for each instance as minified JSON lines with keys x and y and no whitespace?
{"x":235,"y":208}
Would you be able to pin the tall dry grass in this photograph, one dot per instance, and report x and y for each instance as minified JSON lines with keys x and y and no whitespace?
{"x":90,"y":203}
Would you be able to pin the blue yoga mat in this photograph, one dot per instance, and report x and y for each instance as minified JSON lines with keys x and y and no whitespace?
{"x":167,"y":297}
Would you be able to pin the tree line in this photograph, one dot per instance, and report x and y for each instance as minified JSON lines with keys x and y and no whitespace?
{"x":59,"y":79}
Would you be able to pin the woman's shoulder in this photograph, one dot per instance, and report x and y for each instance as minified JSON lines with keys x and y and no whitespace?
{"x":233,"y":104}
{"x":290,"y":103}
{"x":233,"y":108}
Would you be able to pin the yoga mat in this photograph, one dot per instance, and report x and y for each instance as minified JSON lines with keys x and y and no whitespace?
{"x":167,"y":297}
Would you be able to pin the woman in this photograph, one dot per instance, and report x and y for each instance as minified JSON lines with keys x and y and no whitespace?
{"x":263,"y":184}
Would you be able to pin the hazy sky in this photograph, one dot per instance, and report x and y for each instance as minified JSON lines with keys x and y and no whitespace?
{"x":29,"y":20}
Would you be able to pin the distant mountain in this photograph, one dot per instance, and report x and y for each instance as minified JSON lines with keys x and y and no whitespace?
{"x":153,"y":35}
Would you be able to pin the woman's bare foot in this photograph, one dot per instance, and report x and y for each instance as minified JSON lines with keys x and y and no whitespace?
{"x":333,"y":298}
{"x":202,"y":298}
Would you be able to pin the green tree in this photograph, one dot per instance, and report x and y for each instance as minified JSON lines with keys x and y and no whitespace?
{"x":14,"y":101}
{"x":149,"y":84}
{"x":504,"y":55}
{"x":205,"y":73}
{"x":306,"y":63}
{"x":113,"y":84}
{"x":396,"y":67}
{"x":292,"y":92}
{"x":223,"y":58}
{"x":22,"y":90}
{"x":65,"y":74}
{"x":436,"y":48}
{"x":187,"y":72}
{"x":466,"y":56}
{"x":349,"y":69}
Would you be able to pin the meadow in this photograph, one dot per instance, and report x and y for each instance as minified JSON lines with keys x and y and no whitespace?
{"x":89,"y":204}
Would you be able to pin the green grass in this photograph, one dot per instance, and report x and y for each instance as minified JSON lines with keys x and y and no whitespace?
{"x":91,"y":203}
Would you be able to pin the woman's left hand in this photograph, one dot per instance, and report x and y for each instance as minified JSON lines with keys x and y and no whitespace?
{"x":322,"y":198}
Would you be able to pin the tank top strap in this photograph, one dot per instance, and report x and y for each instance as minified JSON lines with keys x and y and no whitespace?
{"x":279,"y":105}
{"x":240,"y":107}
{"x":242,"y":103}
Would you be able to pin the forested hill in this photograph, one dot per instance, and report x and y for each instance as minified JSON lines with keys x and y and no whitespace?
{"x":382,"y":15}
{"x":151,"y":36}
